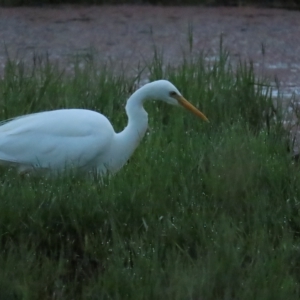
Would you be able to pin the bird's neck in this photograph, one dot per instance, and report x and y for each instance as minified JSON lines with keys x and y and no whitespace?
{"x":128,"y":139}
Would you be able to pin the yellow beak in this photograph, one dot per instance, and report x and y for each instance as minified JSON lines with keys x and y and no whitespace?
{"x":186,"y":104}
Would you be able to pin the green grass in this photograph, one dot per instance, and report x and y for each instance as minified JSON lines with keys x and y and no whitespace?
{"x":201,"y":211}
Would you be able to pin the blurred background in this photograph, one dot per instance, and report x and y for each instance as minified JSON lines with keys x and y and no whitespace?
{"x":289,"y":4}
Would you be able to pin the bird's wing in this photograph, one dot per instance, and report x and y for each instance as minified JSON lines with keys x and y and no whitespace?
{"x":56,"y":138}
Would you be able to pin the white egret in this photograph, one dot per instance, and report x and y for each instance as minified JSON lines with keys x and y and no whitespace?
{"x":54,"y":140}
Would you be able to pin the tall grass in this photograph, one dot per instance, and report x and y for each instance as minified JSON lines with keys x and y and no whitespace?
{"x":201,"y":211}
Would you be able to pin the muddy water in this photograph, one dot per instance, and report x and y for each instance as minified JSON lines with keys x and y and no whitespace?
{"x":270,"y":37}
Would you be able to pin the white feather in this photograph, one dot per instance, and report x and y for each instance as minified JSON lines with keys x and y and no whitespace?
{"x":59,"y":139}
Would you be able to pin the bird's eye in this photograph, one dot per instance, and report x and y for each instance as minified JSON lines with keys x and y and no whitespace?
{"x":173,"y":94}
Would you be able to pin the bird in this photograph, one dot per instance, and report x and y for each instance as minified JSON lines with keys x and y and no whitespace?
{"x":80,"y":138}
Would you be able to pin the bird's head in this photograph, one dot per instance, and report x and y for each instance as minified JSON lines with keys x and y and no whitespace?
{"x":165,"y":91}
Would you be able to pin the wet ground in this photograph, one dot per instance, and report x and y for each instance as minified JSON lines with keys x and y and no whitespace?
{"x":270,"y":37}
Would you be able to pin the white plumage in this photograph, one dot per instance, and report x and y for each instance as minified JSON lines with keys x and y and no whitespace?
{"x":85,"y":139}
